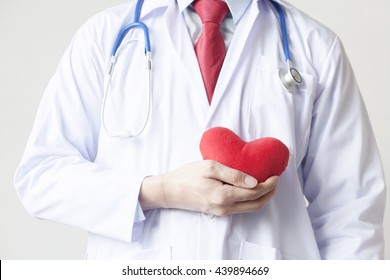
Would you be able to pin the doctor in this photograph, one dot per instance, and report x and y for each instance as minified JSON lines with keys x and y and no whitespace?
{"x":152,"y":196}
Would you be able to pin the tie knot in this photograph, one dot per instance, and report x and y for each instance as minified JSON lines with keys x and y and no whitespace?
{"x":211,"y":10}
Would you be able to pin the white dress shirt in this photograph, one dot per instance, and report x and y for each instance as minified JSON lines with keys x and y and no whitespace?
{"x":228,"y":26}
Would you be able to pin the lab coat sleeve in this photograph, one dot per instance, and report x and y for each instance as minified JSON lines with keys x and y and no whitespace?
{"x":343,"y":176}
{"x":58,"y":179}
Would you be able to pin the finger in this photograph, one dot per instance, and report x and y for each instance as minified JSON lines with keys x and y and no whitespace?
{"x":218,"y":171}
{"x":240,"y":194}
{"x":270,"y":183}
{"x":248,"y":206}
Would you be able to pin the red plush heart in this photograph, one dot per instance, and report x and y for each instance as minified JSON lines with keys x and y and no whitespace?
{"x":261,"y":158}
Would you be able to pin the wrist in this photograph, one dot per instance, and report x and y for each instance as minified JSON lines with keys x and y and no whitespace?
{"x":152,"y":194}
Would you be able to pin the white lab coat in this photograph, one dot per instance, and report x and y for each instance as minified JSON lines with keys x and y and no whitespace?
{"x":73,"y":173}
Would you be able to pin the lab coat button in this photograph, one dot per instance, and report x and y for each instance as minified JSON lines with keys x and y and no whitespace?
{"x":207,"y":216}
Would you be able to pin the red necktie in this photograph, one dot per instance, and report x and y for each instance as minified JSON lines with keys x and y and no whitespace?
{"x":210,"y":48}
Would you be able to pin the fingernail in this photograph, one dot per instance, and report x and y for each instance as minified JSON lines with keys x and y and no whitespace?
{"x":250,"y":181}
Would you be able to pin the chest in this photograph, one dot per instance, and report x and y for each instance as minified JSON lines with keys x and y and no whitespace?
{"x":249,"y":97}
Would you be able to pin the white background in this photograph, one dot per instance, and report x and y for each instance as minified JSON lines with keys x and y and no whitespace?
{"x":216,"y":270}
{"x":34,"y":35}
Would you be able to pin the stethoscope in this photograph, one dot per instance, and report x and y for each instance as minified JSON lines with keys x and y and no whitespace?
{"x":289,"y":77}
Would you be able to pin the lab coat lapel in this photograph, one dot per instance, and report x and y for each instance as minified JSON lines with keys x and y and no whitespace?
{"x":184,"y":49}
{"x":234,"y":53}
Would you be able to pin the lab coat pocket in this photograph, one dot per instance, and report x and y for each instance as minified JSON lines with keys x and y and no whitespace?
{"x":162,"y":253}
{"x":125,"y":253}
{"x":104,"y":248}
{"x":275,"y":112}
{"x":252,"y":251}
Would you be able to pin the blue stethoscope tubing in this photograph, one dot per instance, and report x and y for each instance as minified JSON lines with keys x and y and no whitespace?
{"x":289,"y":77}
{"x":136,"y":24}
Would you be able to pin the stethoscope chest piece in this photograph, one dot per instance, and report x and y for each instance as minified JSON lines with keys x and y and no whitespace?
{"x":290,"y":79}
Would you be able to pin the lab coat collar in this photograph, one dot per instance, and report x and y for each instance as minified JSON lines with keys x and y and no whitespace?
{"x":236,"y":7}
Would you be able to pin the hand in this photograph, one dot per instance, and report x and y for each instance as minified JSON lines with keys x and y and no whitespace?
{"x":206,"y":186}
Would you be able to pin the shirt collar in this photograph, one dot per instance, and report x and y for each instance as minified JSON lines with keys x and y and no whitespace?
{"x":236,"y":7}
